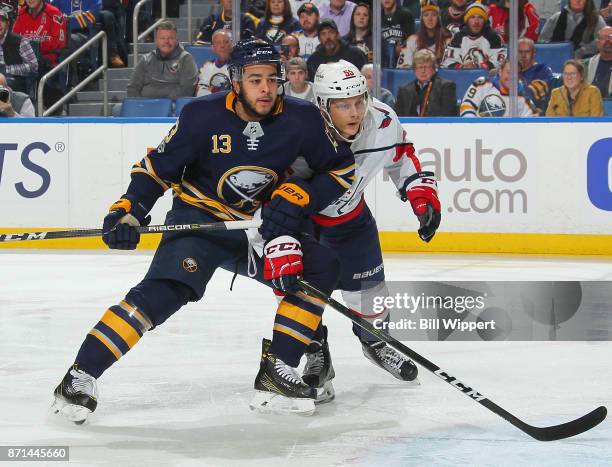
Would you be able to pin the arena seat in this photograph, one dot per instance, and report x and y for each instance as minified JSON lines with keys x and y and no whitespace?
{"x":182,"y":102}
{"x":393,"y":78}
{"x":200,"y":53}
{"x":139,"y":107}
{"x":607,"y":107}
{"x":462,"y":78}
{"x":554,"y":55}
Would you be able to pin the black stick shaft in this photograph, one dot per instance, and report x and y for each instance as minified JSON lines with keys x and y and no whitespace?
{"x":550,"y":433}
{"x":80,"y":233}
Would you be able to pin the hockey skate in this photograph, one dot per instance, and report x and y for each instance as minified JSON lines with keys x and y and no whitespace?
{"x":319,"y":370}
{"x":388,"y":359}
{"x":76,"y":396}
{"x":279,"y":388}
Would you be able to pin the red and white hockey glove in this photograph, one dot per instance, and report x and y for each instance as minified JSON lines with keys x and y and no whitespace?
{"x":421,"y":190}
{"x":283,"y":262}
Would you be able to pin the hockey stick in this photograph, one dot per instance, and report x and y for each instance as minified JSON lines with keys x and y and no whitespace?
{"x":79,"y":233}
{"x":549,"y":433}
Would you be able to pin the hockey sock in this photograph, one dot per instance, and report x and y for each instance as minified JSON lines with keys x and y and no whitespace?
{"x":297,"y":318}
{"x":147,"y":305}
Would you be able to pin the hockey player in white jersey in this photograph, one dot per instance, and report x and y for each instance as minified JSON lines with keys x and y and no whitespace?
{"x":347,"y":226}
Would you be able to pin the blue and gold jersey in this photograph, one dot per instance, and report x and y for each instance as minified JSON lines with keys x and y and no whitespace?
{"x":217,"y":162}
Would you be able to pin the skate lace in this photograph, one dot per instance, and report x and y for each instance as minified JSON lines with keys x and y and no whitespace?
{"x":390,"y":357}
{"x":84,"y":382}
{"x":287,"y":372}
{"x":314,"y":362}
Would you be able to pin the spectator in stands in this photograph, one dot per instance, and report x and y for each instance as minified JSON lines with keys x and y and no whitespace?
{"x":476,"y":45}
{"x":168,"y":71}
{"x":333,"y":49}
{"x":490,"y":97}
{"x":528,"y":20}
{"x":385,"y":96}
{"x":41,"y":22}
{"x":290,"y":47}
{"x":452,"y":15}
{"x":579,"y":22}
{"x":83,"y":16}
{"x":360,"y":33}
{"x":537,"y":77}
{"x":14,"y":103}
{"x":599,"y":67}
{"x":308,"y":15}
{"x":256,"y":9}
{"x":428,"y":95}
{"x":576,"y":98}
{"x":223,"y":20}
{"x":397,"y":25}
{"x":277,"y":22}
{"x":431,"y":36}
{"x":340,"y":11}
{"x":214,"y":75}
{"x":17,"y":59}
{"x":119,"y":18}
{"x":296,"y":85}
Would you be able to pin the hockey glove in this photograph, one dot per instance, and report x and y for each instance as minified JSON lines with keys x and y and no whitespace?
{"x":421,"y":190}
{"x":283,"y":263}
{"x":118,"y":228}
{"x":287,"y":210}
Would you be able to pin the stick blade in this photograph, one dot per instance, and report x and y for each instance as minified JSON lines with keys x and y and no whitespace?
{"x":569,"y":429}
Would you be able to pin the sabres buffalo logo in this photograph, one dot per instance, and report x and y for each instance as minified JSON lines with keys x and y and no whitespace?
{"x":245,"y":187}
{"x":219,"y":82}
{"x":492,"y":106}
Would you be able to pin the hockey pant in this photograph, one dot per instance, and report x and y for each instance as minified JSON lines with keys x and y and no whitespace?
{"x":362,"y":274}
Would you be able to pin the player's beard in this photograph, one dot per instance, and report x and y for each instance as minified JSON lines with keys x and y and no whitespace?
{"x":250,"y":110}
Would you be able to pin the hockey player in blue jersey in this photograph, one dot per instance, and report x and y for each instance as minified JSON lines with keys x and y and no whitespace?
{"x":346,"y":226}
{"x":224,"y":157}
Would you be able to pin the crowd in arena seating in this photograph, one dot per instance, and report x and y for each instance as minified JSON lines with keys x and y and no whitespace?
{"x":420,"y":41}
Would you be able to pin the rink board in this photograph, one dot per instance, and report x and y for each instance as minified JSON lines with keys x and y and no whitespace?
{"x":506,"y":185}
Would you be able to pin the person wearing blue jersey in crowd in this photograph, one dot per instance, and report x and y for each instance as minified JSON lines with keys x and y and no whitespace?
{"x":83,"y":16}
{"x":537,"y":77}
{"x":225,"y":158}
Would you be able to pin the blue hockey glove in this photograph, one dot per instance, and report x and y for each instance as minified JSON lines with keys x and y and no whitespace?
{"x":119,"y":226}
{"x":286,"y":211}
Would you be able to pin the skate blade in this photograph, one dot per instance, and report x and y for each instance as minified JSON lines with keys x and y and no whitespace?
{"x":74,"y":413}
{"x":325,"y":393}
{"x":269,"y":402}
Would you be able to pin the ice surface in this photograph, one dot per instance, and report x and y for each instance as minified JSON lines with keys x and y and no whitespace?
{"x":180,"y":397}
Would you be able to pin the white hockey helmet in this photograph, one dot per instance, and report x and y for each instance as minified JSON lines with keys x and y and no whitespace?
{"x":339,"y":80}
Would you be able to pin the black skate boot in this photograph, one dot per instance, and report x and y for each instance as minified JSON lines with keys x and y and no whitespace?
{"x":76,"y":396}
{"x":388,"y":359}
{"x":279,"y":388}
{"x":319,"y":370}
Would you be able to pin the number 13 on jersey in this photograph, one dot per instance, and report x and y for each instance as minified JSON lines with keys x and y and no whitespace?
{"x":221,"y":144}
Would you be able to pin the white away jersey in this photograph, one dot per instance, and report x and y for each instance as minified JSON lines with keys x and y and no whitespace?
{"x":374,"y":150}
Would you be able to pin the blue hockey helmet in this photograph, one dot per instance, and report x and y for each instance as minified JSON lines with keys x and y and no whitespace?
{"x":253,"y":52}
